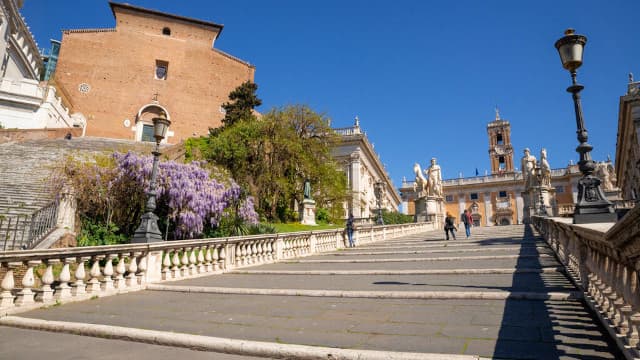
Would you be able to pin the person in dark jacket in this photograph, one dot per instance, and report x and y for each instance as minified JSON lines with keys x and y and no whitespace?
{"x":449,"y":226}
{"x":465,"y":217}
{"x":350,"y":227}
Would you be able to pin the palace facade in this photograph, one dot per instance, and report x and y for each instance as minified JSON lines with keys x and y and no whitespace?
{"x":497,"y":198}
{"x":25,"y":103}
{"x":628,"y":142}
{"x":150,"y":62}
{"x":364,"y":170}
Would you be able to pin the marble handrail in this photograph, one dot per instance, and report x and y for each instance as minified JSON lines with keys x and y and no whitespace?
{"x":604,"y":261}
{"x":35,"y":278}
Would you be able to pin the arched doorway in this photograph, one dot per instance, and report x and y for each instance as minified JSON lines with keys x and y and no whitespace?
{"x":144,"y":122}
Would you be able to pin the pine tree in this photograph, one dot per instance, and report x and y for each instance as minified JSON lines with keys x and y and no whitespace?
{"x":243,"y":100}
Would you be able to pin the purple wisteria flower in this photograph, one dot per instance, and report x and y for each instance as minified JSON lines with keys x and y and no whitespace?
{"x":192,"y":198}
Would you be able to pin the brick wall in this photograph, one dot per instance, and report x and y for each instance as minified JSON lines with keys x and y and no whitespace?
{"x":119,"y":67}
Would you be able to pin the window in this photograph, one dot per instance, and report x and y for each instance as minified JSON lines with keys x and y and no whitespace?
{"x":499,"y":139}
{"x":166,"y":31}
{"x":147,"y":133}
{"x":559,"y":189}
{"x":501,"y":164}
{"x":162,"y":68}
{"x":502,"y":194}
{"x":474,"y":196}
{"x":449,"y":198}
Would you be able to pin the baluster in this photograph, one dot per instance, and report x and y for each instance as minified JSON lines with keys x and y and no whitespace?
{"x":202,"y":268}
{"x":184,"y":269}
{"x":238,"y":255}
{"x":175,"y":260}
{"x":45,"y":294}
{"x":193,"y":270}
{"x":8,"y":284}
{"x":78,"y":287}
{"x":107,"y":281}
{"x":208,"y":259}
{"x":269,"y":250}
{"x":215,"y":258}
{"x":63,"y":290}
{"x":223,"y":258}
{"x":141,"y":274}
{"x":166,"y":266}
{"x":94,"y":282}
{"x":254,"y":252}
{"x":118,"y":281}
{"x":244,"y":253}
{"x":132,"y":280}
{"x":633,"y":339}
{"x":261,"y":251}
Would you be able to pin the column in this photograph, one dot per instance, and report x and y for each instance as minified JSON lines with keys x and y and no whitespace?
{"x":355,"y":184}
{"x":488,"y":209}
{"x":462,"y":204}
{"x":519,"y":206}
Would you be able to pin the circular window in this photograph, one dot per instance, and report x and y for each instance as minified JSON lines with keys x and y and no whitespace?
{"x":84,"y":88}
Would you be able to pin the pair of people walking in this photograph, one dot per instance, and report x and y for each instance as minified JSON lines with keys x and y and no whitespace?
{"x":450,"y":226}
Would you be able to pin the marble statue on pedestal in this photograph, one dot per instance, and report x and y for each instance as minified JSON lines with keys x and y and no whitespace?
{"x":528,"y":164}
{"x":545,"y":169}
{"x":429,"y":203}
{"x":434,"y":176}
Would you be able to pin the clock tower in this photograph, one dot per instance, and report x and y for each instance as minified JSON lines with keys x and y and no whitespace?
{"x":500,"y":149}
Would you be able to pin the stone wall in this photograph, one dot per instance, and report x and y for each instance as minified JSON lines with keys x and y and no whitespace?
{"x":20,"y":135}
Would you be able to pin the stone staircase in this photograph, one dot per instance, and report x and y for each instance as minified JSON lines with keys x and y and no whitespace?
{"x":26,"y":169}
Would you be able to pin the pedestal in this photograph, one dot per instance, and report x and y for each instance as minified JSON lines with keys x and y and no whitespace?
{"x":431,"y":209}
{"x":308,"y":212}
{"x":421,"y":210}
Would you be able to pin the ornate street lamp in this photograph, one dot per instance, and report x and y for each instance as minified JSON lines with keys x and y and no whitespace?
{"x":592,"y":205}
{"x":148,"y":230}
{"x":379,"y":190}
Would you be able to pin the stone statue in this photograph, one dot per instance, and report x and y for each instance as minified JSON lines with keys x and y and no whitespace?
{"x":606,"y":173}
{"x":545,"y":169}
{"x":434,"y":179}
{"x":528,"y":165}
{"x":307,"y":189}
{"x":420,"y":184}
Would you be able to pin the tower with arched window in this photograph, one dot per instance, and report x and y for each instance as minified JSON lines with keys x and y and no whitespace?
{"x":500,"y":149}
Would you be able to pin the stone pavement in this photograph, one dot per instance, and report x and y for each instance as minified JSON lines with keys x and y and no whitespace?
{"x":499,"y":294}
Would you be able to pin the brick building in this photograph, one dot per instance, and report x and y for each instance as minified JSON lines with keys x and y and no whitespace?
{"x":122,"y":77}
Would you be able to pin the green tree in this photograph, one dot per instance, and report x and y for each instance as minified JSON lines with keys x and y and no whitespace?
{"x":273,"y":156}
{"x":243,"y":100}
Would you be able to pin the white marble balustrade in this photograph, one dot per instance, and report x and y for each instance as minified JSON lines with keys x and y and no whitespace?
{"x":36,"y":278}
{"x":604,"y":261}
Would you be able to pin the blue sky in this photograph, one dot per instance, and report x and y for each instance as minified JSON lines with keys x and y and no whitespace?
{"x":423,"y":76}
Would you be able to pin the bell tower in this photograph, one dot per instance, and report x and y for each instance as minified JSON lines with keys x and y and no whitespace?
{"x":500,"y":149}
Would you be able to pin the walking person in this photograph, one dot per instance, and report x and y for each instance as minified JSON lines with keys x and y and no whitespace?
{"x":350,"y":227}
{"x":465,"y":217}
{"x":449,"y":226}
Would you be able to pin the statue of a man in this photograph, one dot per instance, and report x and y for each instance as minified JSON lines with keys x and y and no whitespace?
{"x":307,"y":189}
{"x":434,"y":178}
{"x":528,"y":164}
{"x":545,"y":169}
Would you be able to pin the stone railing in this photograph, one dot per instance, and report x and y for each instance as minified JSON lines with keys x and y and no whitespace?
{"x":35,"y":278}
{"x":604,"y":261}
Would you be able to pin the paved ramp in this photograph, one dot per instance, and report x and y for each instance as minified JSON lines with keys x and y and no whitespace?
{"x":499,"y":294}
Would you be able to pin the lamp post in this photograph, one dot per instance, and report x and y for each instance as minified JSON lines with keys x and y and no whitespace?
{"x":379,"y":189}
{"x":592,"y":205}
{"x":148,"y":230}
